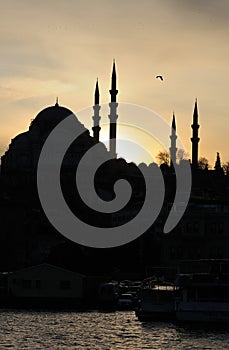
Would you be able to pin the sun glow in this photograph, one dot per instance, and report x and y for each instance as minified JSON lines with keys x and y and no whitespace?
{"x":134,"y":145}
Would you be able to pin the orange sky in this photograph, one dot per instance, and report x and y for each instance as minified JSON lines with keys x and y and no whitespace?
{"x":53,"y":47}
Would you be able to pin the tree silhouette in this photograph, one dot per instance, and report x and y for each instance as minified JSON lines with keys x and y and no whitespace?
{"x":226,"y":168}
{"x":182,"y":154}
{"x":163,"y":157}
{"x":203,"y":163}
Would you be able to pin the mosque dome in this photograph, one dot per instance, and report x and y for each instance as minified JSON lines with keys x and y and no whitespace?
{"x":49,"y":117}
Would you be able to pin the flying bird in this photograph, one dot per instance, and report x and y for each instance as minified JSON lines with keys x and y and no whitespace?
{"x":160,"y":77}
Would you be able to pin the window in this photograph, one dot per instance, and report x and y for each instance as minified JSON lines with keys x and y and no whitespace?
{"x":220,"y":227}
{"x":65,"y":284}
{"x":26,"y":284}
{"x":37,"y":284}
{"x":213,"y":228}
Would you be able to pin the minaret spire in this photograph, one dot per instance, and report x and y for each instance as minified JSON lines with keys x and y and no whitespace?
{"x":96,"y":117}
{"x":97,"y":93}
{"x":113,"y":81}
{"x":113,"y":112}
{"x":218,"y":167}
{"x":195,"y":139}
{"x":173,"y":148}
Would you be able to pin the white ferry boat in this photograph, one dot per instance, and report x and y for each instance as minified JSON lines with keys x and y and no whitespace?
{"x":157,"y":302}
{"x":204,"y":296}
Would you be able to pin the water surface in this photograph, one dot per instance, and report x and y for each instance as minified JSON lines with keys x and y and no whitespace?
{"x":102,"y":331}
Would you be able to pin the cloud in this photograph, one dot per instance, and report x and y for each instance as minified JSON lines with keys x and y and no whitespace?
{"x":206,"y":11}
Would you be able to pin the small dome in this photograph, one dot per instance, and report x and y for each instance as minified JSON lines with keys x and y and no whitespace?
{"x":49,"y":117}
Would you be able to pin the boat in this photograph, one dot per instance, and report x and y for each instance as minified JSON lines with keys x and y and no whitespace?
{"x":125,"y":302}
{"x":204,"y":296}
{"x":108,"y":295}
{"x":157,"y":301}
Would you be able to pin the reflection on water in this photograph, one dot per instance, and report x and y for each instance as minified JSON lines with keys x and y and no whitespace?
{"x":102,"y":331}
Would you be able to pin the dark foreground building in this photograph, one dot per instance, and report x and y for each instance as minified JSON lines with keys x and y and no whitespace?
{"x":27,"y":238}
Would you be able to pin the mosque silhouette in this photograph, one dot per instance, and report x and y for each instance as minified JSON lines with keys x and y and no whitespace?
{"x":27,"y":238}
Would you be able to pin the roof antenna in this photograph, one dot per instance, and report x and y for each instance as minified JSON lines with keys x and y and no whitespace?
{"x":57,"y":101}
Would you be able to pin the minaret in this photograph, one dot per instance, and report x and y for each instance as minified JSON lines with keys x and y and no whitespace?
{"x":173,"y":137}
{"x":195,"y":139}
{"x":217,"y":166}
{"x":96,"y":117}
{"x":113,"y":113}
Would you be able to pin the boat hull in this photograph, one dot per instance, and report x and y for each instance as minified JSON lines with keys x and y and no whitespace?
{"x":203,"y":312}
{"x":156,"y":305}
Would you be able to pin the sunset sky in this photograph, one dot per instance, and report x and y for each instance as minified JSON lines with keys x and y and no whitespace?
{"x":58,"y":48}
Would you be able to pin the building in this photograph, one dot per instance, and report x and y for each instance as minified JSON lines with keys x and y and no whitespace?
{"x":46,"y":281}
{"x":28,"y":239}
